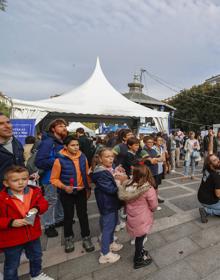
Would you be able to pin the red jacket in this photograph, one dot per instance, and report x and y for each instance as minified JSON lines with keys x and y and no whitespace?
{"x":13,"y":236}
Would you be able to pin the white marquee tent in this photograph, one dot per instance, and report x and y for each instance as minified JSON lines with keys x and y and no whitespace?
{"x":74,"y":125}
{"x":96,"y":96}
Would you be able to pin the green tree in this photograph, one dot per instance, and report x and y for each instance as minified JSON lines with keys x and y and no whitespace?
{"x":196,"y":107}
{"x":3,"y":5}
{"x":4,"y":109}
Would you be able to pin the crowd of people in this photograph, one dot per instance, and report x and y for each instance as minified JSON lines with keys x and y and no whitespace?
{"x":54,"y":173}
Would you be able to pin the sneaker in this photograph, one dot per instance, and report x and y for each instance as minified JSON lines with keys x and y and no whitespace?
{"x":69,"y":244}
{"x":142,"y":261}
{"x":172,"y":171}
{"x":115,"y":247}
{"x":160,"y":200}
{"x":87,"y":244}
{"x":132,"y":241}
{"x":203,"y":215}
{"x":117,"y":228}
{"x":158,"y":208}
{"x":59,"y":224}
{"x":51,"y":232}
{"x":109,"y":258}
{"x":120,"y":226}
{"x":42,"y":276}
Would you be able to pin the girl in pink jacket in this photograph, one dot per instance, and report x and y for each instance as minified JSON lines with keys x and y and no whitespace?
{"x":141,"y":200}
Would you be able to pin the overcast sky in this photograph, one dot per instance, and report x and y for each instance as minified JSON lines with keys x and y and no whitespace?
{"x":49,"y":46}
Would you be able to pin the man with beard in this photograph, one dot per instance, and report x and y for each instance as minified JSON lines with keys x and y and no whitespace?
{"x":11,"y":150}
{"x":209,"y":190}
{"x":51,"y":144}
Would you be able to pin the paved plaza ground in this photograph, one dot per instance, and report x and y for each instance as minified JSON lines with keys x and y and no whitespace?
{"x":181,"y":246}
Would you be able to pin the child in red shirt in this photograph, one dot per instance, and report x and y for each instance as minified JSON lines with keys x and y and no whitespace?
{"x":20,"y":228}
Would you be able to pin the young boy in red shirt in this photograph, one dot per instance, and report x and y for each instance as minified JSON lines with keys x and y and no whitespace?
{"x":20,"y":228}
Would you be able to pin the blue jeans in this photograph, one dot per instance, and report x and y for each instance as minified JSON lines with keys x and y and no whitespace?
{"x":187,"y":164}
{"x":12,"y":259}
{"x":108,"y":223}
{"x":213,"y":209}
{"x":54,"y":213}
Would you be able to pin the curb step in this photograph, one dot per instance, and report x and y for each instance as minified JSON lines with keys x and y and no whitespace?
{"x":56,"y":255}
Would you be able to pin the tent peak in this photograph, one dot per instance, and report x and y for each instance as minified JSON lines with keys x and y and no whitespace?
{"x":98,"y":67}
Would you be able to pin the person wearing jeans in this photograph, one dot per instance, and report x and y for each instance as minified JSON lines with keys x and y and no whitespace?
{"x":191,"y":148}
{"x":54,"y":214}
{"x":209,"y":190}
{"x":51,"y":144}
{"x":108,"y":223}
{"x":33,"y":253}
{"x":191,"y":162}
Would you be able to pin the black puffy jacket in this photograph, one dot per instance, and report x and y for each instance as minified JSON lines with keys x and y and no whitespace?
{"x":7,"y":159}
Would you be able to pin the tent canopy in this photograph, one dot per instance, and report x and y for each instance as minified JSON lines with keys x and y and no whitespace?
{"x":72,"y":127}
{"x":96,"y":96}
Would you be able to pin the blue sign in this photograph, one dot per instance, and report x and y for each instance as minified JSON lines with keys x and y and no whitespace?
{"x":147,"y":130}
{"x":23,"y":128}
{"x":104,"y":129}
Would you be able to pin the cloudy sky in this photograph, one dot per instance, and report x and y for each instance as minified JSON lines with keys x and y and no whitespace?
{"x":49,"y":47}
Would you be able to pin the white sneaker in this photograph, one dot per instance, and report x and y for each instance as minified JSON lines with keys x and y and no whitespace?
{"x":117,"y":228}
{"x":158,"y":208}
{"x":109,"y":258}
{"x":172,"y":171}
{"x":122,"y":225}
{"x":115,"y":247}
{"x":42,"y":276}
{"x":133,"y":241}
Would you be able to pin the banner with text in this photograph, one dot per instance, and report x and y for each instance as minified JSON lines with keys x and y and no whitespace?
{"x":23,"y":128}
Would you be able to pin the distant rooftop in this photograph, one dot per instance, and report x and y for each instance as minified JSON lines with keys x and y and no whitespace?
{"x":136,"y":95}
{"x":214,"y":79}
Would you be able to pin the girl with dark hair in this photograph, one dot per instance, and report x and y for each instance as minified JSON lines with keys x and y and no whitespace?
{"x":141,"y":200}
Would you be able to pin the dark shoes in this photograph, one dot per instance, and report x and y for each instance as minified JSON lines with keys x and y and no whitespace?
{"x":51,"y":232}
{"x":142,"y":261}
{"x":69,"y":244}
{"x":160,"y":200}
{"x":203,"y":215}
{"x":87,"y":244}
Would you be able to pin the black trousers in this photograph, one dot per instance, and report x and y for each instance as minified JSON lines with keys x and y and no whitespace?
{"x":69,"y":201}
{"x":139,"y":246}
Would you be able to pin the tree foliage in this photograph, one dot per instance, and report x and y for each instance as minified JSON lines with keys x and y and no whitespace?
{"x":196,"y":107}
{"x":3,"y":5}
{"x":4,"y":109}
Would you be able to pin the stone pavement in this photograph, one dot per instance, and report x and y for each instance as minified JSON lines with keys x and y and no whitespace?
{"x":181,"y":247}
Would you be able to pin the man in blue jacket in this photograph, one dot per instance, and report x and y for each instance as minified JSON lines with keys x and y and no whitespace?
{"x":51,"y":144}
{"x":11,"y":150}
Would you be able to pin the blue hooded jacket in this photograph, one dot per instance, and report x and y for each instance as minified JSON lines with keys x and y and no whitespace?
{"x":105,"y":191}
{"x":47,"y":153}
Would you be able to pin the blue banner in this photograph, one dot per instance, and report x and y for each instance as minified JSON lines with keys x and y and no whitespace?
{"x":23,"y":128}
{"x":104,"y":129}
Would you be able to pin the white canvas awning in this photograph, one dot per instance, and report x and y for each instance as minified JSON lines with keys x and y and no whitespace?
{"x":72,"y":127}
{"x":94,"y":97}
